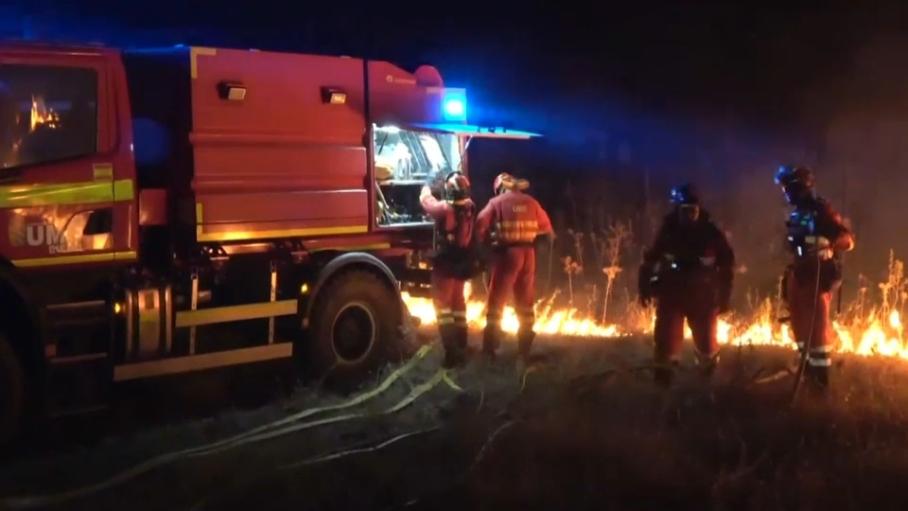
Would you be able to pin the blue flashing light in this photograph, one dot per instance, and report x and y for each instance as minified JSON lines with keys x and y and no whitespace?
{"x":455,"y":105}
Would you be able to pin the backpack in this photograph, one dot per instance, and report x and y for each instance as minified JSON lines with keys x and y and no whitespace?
{"x":457,"y":252}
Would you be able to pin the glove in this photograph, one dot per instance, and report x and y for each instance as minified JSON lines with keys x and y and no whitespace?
{"x":819,"y":246}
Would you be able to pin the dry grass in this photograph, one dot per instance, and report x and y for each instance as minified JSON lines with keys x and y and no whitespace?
{"x":587,"y":431}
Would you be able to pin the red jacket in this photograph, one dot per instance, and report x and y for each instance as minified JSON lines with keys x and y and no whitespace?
{"x":515,"y":217}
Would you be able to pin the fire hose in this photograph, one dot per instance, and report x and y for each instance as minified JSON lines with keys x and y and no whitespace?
{"x":264,"y":432}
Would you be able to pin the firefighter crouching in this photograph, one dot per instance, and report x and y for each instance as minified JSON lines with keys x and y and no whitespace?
{"x":688,"y":271}
{"x":816,"y":238}
{"x":510,"y":222}
{"x":454,"y":262}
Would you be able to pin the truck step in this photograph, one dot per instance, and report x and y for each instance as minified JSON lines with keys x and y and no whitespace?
{"x":69,"y":411}
{"x":77,"y":359}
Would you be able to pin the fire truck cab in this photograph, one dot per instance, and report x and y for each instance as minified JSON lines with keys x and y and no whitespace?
{"x":181,"y":209}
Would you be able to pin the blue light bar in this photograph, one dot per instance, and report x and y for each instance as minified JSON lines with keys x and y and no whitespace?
{"x":454,"y":105}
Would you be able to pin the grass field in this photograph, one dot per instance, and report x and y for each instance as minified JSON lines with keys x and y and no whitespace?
{"x":585,"y":430}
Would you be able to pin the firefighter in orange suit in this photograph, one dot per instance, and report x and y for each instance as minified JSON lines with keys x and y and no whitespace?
{"x":454,"y":221}
{"x":510,"y":222}
{"x":689,"y":271}
{"x":817,"y":237}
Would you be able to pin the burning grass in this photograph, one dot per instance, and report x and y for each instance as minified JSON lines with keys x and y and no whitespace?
{"x":871,"y":326}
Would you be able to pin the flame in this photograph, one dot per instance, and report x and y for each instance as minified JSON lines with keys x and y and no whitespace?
{"x":879,"y":332}
{"x":42,"y":115}
{"x":564,"y":321}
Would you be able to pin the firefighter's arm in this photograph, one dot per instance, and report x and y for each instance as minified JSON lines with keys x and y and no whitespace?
{"x":834,"y":234}
{"x":434,"y":207}
{"x":725,"y":264}
{"x":660,"y":246}
{"x":543,"y":222}
{"x":484,"y":221}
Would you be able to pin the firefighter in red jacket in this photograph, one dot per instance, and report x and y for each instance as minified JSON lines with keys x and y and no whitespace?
{"x":689,"y":272}
{"x":510,"y":222}
{"x":454,"y":219}
{"x":816,"y":238}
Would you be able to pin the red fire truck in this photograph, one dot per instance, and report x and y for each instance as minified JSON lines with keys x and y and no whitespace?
{"x":174,"y":210}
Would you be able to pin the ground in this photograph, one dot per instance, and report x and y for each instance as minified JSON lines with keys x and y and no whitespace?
{"x":585,"y":429}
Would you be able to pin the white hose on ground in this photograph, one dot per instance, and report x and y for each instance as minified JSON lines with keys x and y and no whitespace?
{"x":255,"y":435}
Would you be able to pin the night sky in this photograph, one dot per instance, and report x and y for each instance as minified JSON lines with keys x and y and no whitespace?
{"x":631,"y":96}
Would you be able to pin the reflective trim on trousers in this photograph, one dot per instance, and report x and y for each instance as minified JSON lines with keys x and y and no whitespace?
{"x":445,"y":318}
{"x":819,"y":362}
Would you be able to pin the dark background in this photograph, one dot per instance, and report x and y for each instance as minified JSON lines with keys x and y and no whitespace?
{"x":632,"y":96}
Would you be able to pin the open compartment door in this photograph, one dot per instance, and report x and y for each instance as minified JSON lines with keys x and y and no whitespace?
{"x":474,"y":131}
{"x":411,"y":155}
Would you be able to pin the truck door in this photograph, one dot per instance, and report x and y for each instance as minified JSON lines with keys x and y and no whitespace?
{"x":58,"y":190}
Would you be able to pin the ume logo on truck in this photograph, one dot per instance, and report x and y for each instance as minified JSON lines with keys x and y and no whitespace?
{"x":36,"y":232}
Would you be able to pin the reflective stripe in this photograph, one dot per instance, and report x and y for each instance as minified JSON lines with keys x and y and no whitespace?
{"x":75,"y":259}
{"x":194,"y":53}
{"x":819,"y":362}
{"x":821,"y":349}
{"x":445,"y":321}
{"x":123,"y":190}
{"x":518,"y":224}
{"x":279,"y":233}
{"x":60,"y":194}
{"x":443,"y":312}
{"x":459,"y":314}
{"x":518,"y":231}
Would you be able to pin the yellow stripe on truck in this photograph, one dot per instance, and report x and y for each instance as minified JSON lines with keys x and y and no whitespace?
{"x":61,"y":194}
{"x":194,"y":53}
{"x":74,"y":259}
{"x":281,"y":233}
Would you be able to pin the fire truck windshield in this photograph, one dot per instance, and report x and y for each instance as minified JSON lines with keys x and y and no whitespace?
{"x":46,"y":114}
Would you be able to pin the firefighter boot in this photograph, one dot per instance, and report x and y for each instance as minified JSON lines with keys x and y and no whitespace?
{"x":817,"y":379}
{"x":525,"y":344}
{"x":454,"y":353}
{"x":664,"y":374}
{"x":491,"y":338}
{"x":707,"y":363}
{"x":461,"y":337}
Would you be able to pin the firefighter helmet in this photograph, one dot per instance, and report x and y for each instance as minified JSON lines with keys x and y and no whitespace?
{"x":685,"y":194}
{"x":457,"y":187}
{"x":787,"y":175}
{"x":502,"y":183}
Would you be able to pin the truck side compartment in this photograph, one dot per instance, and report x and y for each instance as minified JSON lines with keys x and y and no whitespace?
{"x":223,"y":207}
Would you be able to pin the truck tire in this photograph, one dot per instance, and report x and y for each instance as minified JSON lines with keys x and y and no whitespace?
{"x":12,"y":391}
{"x":354,"y":328}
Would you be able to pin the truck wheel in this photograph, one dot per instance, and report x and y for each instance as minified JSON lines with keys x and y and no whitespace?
{"x":354,"y":327}
{"x":12,"y":391}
